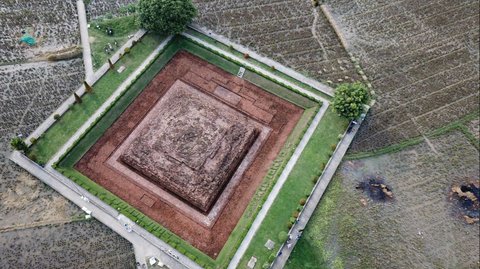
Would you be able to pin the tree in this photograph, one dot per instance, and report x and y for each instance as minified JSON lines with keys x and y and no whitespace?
{"x":88,"y":88}
{"x":18,"y":144}
{"x":166,"y":16}
{"x":349,"y":99}
{"x":78,"y":100}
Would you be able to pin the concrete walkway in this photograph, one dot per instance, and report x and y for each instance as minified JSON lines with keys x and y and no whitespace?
{"x":124,"y":86}
{"x":276,"y":189}
{"x":314,"y":198}
{"x":84,"y":37}
{"x":145,"y":244}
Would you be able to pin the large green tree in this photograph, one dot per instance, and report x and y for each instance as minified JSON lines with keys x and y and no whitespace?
{"x":166,"y":16}
{"x":349,"y":99}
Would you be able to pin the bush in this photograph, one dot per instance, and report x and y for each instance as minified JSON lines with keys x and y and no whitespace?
{"x":126,"y":51}
{"x":166,"y":16}
{"x":18,"y":144}
{"x":333,"y":147}
{"x":56,"y":117}
{"x":302,"y":201}
{"x":33,"y":140}
{"x":246,"y":55}
{"x":295,"y":214}
{"x":349,"y":100}
{"x":289,"y":225}
{"x":271,"y":258}
{"x":266,"y":265}
{"x":282,"y":236}
{"x":32,"y":157}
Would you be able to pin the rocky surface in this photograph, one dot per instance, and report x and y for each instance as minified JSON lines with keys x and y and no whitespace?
{"x":191,"y":144}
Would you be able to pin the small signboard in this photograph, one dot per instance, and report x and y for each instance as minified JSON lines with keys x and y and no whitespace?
{"x":241,"y":71}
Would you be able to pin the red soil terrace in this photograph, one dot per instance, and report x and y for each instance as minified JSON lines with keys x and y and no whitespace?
{"x":224,"y":133}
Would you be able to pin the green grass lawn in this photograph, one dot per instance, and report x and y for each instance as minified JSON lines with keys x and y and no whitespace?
{"x":122,"y":27}
{"x":298,"y":184}
{"x":52,"y":140}
{"x":310,"y":251}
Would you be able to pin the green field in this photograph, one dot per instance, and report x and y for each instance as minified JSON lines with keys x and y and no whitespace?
{"x":122,"y":27}
{"x":298,"y":184}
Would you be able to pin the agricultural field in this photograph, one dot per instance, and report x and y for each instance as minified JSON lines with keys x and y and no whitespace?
{"x":78,"y":244}
{"x":107,"y":8}
{"x":290,"y":32}
{"x":54,"y":30}
{"x":422,"y":58}
{"x":422,"y":226}
{"x":32,"y":215}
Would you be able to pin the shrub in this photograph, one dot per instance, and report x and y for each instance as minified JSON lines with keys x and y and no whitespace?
{"x":314,"y":179}
{"x":295,"y":214}
{"x":126,"y":50}
{"x":166,"y":16}
{"x":302,"y":201}
{"x":246,"y":55}
{"x":266,"y":265}
{"x":299,"y":208}
{"x":56,"y":117}
{"x":289,"y":225}
{"x":33,"y":140}
{"x":18,"y":144}
{"x":271,"y":258}
{"x":32,"y":157}
{"x":333,"y":147}
{"x":230,"y":47}
{"x":282,"y":236}
{"x":349,"y":99}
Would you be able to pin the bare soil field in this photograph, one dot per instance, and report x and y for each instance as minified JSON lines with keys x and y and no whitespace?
{"x":290,"y":32}
{"x":54,"y":30}
{"x":422,"y":58}
{"x":28,"y":94}
{"x":80,"y":244}
{"x":240,"y":95}
{"x":421,"y":227}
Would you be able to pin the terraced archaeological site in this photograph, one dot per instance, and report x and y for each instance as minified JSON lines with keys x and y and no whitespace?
{"x":192,"y":148}
{"x":217,"y":134}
